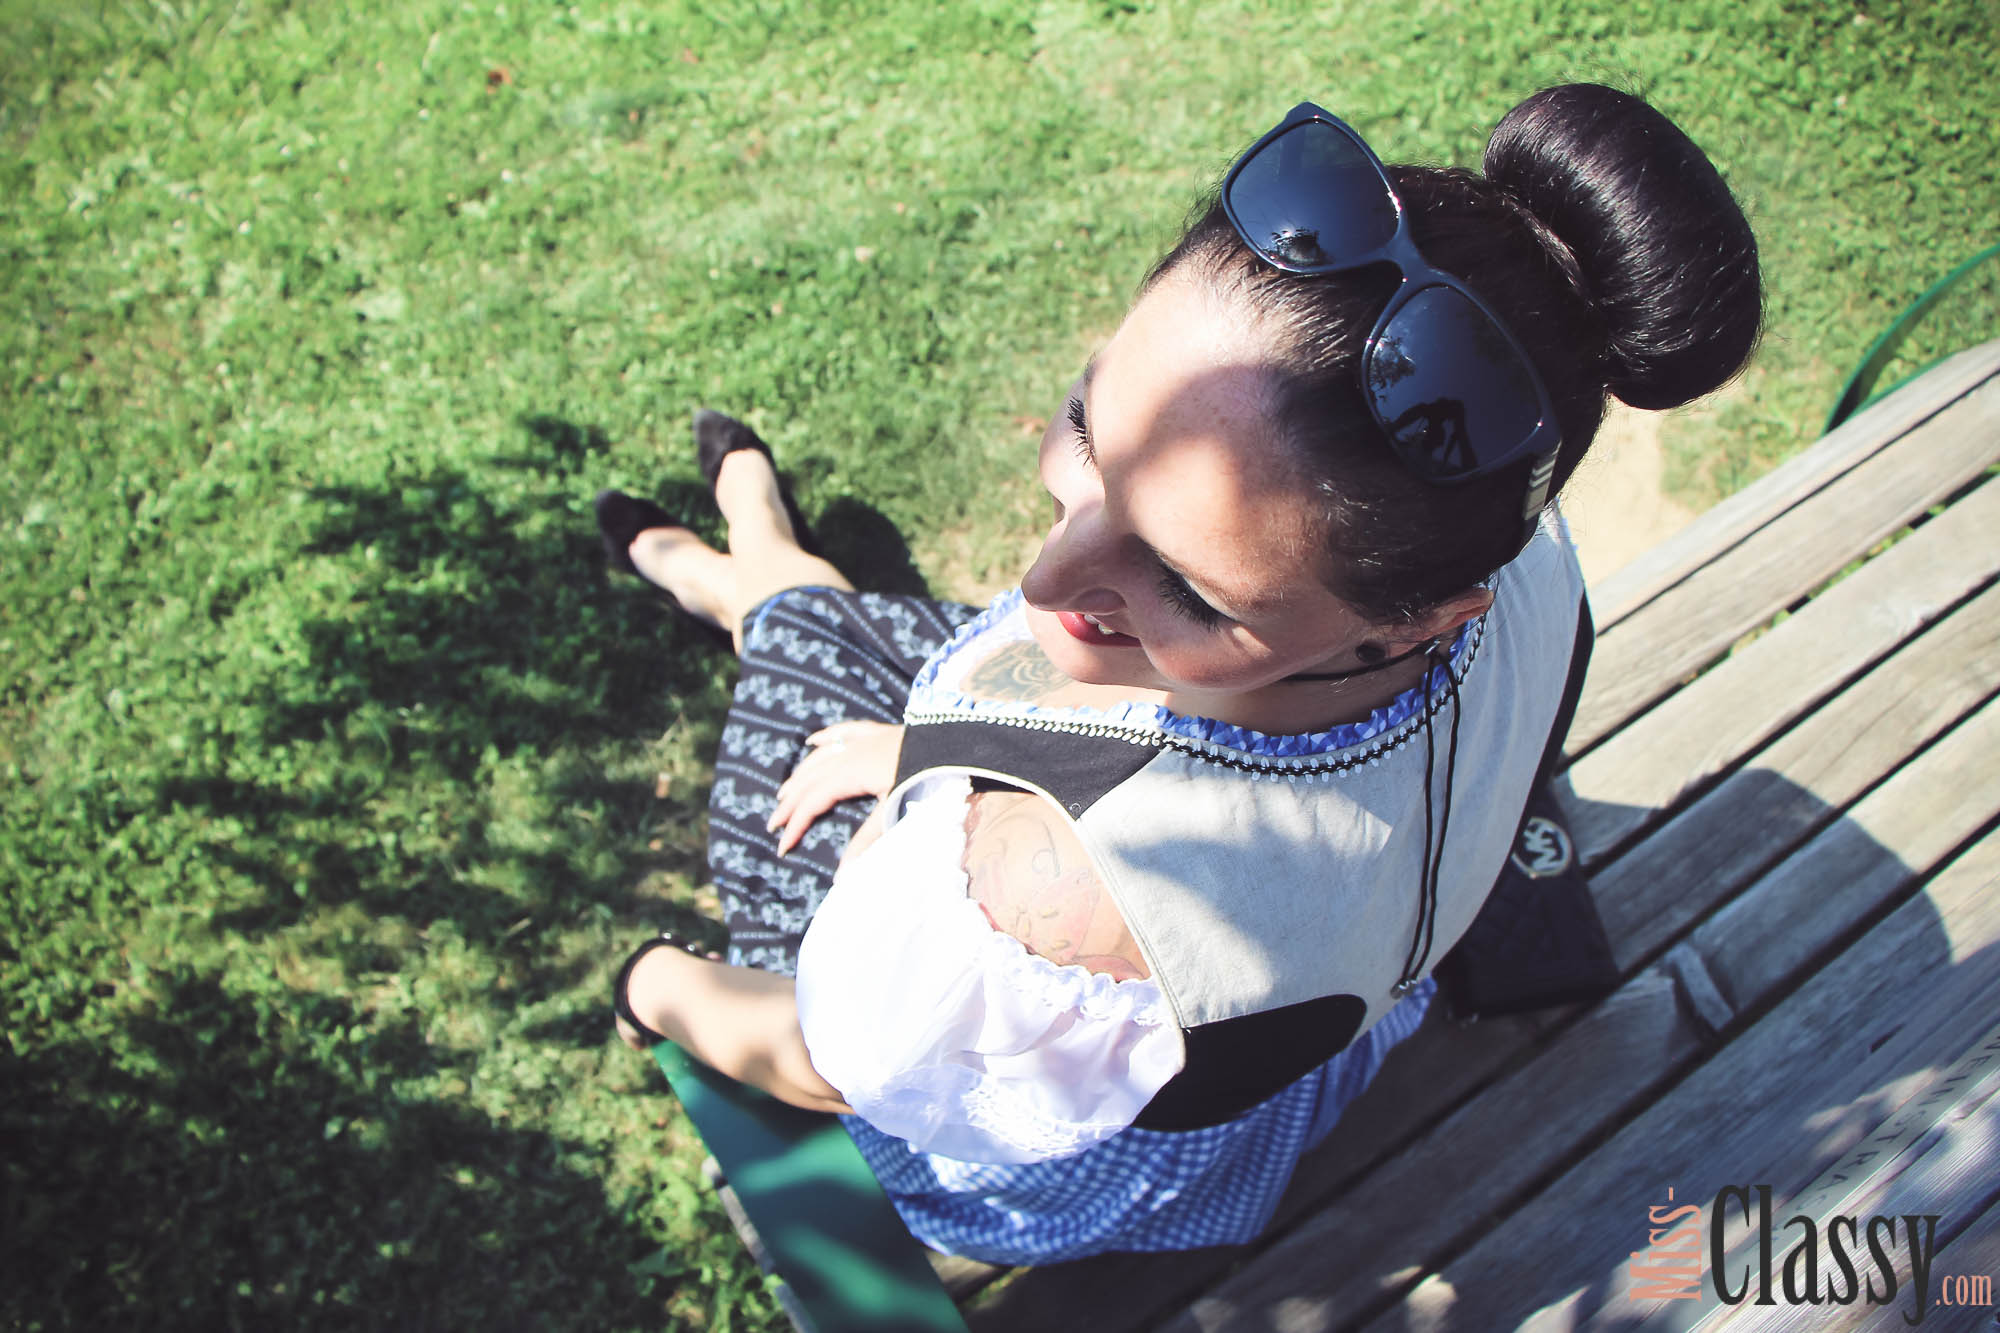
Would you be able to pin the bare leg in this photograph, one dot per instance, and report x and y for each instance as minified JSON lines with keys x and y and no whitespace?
{"x":764,"y":556}
{"x":763,"y":550}
{"x":701,"y":578}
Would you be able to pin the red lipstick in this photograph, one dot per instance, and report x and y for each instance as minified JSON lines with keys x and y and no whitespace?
{"x":1081,"y":627}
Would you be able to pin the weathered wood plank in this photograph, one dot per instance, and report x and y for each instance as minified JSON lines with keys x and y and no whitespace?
{"x":1776,"y":1104}
{"x":1712,"y":535}
{"x":1800,"y":783}
{"x":1526,"y":1125}
{"x":1656,"y":648}
{"x":1634,"y":777}
{"x":1803,"y":906}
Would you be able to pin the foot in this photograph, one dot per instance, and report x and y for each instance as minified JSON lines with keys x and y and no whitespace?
{"x":699,"y":578}
{"x":739,"y":466}
{"x":717,"y":436}
{"x":620,"y":520}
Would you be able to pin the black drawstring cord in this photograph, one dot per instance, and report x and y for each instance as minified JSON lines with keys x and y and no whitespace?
{"x":1432,"y":869}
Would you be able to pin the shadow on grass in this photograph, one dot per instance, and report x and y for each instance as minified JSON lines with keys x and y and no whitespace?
{"x":315,"y":1124}
{"x":435,"y":740}
{"x":221,"y":1173}
{"x":865,"y":545}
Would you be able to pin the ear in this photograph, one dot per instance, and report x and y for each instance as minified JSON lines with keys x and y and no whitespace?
{"x":1440,"y":622}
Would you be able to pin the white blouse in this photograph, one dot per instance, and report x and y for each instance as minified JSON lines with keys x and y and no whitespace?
{"x":941,"y":1030}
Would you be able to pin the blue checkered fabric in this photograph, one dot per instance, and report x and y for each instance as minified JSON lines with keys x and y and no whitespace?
{"x":816,"y":656}
{"x":1138,"y":1190}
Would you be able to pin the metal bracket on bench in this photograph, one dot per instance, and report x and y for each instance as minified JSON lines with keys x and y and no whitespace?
{"x":1694,"y":984}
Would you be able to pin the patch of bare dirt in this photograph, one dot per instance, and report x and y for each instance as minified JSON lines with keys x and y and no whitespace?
{"x":1615,"y":503}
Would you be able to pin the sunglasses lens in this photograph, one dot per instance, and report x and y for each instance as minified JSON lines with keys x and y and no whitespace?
{"x":1312,"y":196}
{"x":1449,"y":387}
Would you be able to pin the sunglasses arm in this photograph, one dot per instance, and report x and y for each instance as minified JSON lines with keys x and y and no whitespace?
{"x":1538,"y":490}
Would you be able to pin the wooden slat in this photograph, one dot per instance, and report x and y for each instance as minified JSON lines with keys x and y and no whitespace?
{"x":1925,"y":811}
{"x":1712,"y":535}
{"x":1434,"y":1194}
{"x":1885,"y":1008}
{"x":1656,"y":648}
{"x":1797,"y":785}
{"x":1636,"y":776}
{"x":1525,"y":1125}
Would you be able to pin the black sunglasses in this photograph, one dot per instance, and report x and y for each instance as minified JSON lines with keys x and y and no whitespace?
{"x":1451,"y":387}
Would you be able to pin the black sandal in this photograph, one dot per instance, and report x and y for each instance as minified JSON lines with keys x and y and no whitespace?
{"x":621,"y":998}
{"x":716,"y":437}
{"x":621,"y":518}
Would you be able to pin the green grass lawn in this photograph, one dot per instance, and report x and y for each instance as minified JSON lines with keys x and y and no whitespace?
{"x":338,"y":776}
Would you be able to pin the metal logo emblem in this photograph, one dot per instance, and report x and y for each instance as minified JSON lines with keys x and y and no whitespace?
{"x":1543,"y":848}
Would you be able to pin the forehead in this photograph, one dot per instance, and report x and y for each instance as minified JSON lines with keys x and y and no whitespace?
{"x":1180,"y":406}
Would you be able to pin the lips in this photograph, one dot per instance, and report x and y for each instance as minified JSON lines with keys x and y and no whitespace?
{"x":1089,"y":631}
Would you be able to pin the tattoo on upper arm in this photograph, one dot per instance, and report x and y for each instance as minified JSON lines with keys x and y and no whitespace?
{"x":1029,"y":873}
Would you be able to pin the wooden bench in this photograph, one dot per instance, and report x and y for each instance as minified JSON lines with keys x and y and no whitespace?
{"x":1788,"y":828}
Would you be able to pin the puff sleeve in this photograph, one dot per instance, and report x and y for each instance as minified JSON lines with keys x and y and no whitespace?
{"x":947,"y":1033}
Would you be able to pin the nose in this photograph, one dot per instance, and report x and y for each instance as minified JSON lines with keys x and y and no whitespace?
{"x":1075,"y":569}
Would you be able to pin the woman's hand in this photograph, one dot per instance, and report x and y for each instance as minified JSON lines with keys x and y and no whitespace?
{"x":845,"y":759}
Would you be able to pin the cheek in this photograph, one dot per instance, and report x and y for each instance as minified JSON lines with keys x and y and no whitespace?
{"x":1199,"y":659}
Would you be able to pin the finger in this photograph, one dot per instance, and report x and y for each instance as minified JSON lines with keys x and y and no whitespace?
{"x":795,"y":829}
{"x":808,"y":807}
{"x":834,"y":737}
{"x":792,"y":793}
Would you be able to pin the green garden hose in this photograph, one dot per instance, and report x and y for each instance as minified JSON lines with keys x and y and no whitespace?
{"x":1857,"y":393}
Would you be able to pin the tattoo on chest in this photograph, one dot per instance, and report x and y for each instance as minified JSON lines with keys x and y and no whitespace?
{"x":1033,"y":879}
{"x":1020,"y":672}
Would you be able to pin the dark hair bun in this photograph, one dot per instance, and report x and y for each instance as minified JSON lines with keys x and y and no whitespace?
{"x":1662,"y":246}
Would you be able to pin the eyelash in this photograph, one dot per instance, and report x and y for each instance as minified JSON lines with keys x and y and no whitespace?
{"x":1074,"y":412}
{"x":1187,"y":601}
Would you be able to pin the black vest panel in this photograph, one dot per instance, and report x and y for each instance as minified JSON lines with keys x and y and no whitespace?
{"x":1076,"y":770}
{"x":1236,"y":1063}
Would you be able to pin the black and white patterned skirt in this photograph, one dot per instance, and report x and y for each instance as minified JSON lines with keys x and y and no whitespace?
{"x":811,"y":657}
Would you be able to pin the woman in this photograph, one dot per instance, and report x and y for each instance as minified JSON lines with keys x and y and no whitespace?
{"x":1171,"y":836}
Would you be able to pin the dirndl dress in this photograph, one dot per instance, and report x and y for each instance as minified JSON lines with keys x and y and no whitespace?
{"x":816,"y":656}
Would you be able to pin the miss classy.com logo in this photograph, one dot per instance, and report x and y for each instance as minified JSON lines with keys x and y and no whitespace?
{"x":1835,"y":1260}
